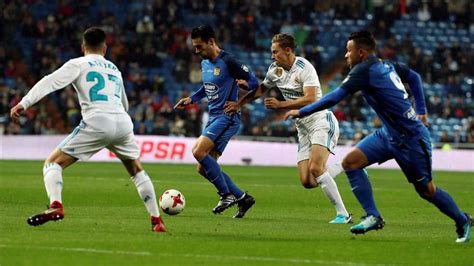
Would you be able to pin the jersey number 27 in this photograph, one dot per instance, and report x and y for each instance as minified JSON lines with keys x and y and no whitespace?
{"x":94,"y":94}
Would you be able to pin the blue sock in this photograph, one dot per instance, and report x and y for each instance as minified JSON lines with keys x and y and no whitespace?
{"x":214,"y":174}
{"x":234,"y":189}
{"x":446,"y":205}
{"x":360,"y":186}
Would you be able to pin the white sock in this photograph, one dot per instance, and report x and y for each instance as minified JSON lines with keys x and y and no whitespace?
{"x":53,"y":181}
{"x":334,"y":169}
{"x":147,"y":192}
{"x":329,"y":187}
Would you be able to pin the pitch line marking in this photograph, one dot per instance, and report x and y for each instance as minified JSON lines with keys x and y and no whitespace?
{"x":85,"y":250}
{"x":203,"y":256}
{"x":271,"y":259}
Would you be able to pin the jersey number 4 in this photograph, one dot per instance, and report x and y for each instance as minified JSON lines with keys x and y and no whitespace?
{"x":97,"y":77}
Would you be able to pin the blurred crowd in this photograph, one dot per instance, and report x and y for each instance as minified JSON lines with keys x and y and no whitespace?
{"x":149,"y":42}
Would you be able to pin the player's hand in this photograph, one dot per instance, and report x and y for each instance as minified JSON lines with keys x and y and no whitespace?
{"x":424,"y":120}
{"x":243,"y":84}
{"x":271,"y":103}
{"x":292,"y":114}
{"x":182,"y":103}
{"x":16,"y":112}
{"x":231,"y":107}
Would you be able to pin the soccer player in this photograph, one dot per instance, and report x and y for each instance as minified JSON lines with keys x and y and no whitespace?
{"x":404,"y":136}
{"x":298,"y":81}
{"x":220,"y":70}
{"x":105,"y":124}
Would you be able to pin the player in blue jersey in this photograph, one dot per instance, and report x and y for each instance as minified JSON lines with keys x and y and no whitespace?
{"x":404,"y":136}
{"x":220,"y":73}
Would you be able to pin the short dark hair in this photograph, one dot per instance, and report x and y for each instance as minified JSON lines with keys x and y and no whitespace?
{"x":93,"y":37}
{"x":285,"y":40}
{"x":205,"y":32}
{"x":363,"y":39}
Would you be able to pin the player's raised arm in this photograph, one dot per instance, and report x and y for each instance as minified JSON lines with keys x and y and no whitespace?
{"x":57,"y":80}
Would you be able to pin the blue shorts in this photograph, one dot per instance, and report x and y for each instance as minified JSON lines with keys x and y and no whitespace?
{"x":413,"y":156}
{"x":220,"y":130}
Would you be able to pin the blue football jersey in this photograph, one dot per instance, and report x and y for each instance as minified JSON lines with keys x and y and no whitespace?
{"x":381,"y":84}
{"x":219,"y":80}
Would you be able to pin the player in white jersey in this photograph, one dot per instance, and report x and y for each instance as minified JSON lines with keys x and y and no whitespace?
{"x":298,"y":81}
{"x":105,"y":124}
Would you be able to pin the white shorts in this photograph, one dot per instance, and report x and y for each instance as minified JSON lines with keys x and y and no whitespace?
{"x":321,"y":128}
{"x":111,"y":131}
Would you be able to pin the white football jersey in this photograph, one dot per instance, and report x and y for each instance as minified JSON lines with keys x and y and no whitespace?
{"x":291,"y":83}
{"x":97,"y":81}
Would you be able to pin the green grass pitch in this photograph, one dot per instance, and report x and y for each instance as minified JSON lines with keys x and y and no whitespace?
{"x":107,"y":224}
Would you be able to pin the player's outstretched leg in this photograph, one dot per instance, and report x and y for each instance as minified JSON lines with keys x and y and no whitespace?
{"x":446,"y":204}
{"x":464,"y":231}
{"x":55,"y":212}
{"x":243,"y":205}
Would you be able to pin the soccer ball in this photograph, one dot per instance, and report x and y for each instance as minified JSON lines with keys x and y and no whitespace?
{"x":172,"y":202}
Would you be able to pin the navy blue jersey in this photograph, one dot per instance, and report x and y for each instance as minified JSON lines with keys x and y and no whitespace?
{"x":219,"y":81}
{"x":382,"y":87}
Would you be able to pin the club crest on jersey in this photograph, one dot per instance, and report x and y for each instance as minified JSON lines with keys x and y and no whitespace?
{"x":217,"y":71}
{"x":279,"y":71}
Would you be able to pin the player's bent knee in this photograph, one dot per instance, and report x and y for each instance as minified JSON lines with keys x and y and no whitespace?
{"x":356,"y":159}
{"x":199,"y":155}
{"x":316,"y":170}
{"x":347,"y":165}
{"x":426,"y":192}
{"x":425,"y":195}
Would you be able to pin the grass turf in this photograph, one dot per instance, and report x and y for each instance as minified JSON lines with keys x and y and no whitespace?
{"x":106,"y":223}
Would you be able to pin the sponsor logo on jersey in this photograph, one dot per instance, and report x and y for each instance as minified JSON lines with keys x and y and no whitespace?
{"x":217,"y":71}
{"x":211,"y":90}
{"x":291,"y":92}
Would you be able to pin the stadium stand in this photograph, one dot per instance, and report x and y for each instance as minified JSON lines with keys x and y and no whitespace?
{"x":149,"y":42}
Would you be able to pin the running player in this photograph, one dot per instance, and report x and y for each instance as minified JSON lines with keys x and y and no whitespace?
{"x":404,"y":136}
{"x":105,"y":124}
{"x":220,"y":72}
{"x":298,"y":81}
